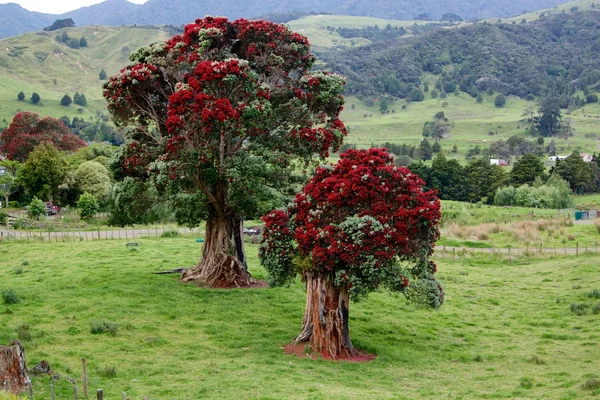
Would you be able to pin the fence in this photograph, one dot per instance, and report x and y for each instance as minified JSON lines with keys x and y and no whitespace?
{"x":510,"y":254}
{"x":97,"y":234}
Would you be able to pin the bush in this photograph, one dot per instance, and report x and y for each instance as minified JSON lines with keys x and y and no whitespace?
{"x":37,"y":209}
{"x":104,"y":326}
{"x":169,"y":234}
{"x":35,"y":98}
{"x":9,"y":296}
{"x":594,"y":294}
{"x":3,"y":216}
{"x":88,"y":206}
{"x":500,"y":101}
{"x":591,"y":98}
{"x":579,"y":308}
{"x":66,"y":100}
{"x":21,"y":96}
{"x":505,"y":196}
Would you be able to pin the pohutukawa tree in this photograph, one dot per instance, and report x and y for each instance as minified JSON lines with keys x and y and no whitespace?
{"x":357,"y":225}
{"x":219,"y":115}
{"x":28,"y":130}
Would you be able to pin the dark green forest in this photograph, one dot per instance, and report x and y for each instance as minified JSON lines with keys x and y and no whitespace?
{"x":552,"y":57}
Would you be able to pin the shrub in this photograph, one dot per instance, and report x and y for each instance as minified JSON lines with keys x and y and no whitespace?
{"x":108,"y":372}
{"x":88,"y":206}
{"x":594,"y":294}
{"x":23,"y":332}
{"x":526,"y":382}
{"x":9,"y":296}
{"x":104,"y":326}
{"x":66,"y":100}
{"x":591,"y":384}
{"x":579,"y":308}
{"x":170,"y":234}
{"x":37,"y":209}
{"x":21,"y":96}
{"x":3,"y":216}
{"x":500,"y":101}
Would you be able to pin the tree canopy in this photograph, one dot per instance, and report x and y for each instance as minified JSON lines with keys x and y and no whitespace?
{"x":27,"y":130}
{"x":355,"y":226}
{"x":218,"y":116}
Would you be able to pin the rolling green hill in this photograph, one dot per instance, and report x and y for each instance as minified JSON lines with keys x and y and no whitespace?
{"x":36,"y":62}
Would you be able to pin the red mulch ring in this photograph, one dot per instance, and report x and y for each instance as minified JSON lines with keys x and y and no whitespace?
{"x":298,"y":350}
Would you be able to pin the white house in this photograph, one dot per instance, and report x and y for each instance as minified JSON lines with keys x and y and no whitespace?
{"x":498,"y":161}
{"x":587,"y":157}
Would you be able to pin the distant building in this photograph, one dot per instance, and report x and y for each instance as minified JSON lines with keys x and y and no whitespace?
{"x":554,"y":158}
{"x":498,"y":161}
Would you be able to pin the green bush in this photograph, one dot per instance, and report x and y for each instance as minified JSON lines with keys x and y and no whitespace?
{"x":88,"y":206}
{"x":37,"y":209}
{"x":170,"y":234}
{"x":9,"y":296}
{"x":104,"y":326}
{"x":3,"y":216}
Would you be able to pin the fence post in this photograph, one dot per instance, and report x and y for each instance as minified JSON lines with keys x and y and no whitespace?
{"x":98,"y":233}
{"x":577,"y":249}
{"x":30,"y":391}
{"x":100,"y":394}
{"x":85,"y":377}
{"x":75,"y":393}
{"x":124,"y":395}
{"x":52,"y":391}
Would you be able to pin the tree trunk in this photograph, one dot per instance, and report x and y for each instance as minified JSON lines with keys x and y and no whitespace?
{"x":325,"y":324}
{"x":13,"y":368}
{"x":223,"y":263}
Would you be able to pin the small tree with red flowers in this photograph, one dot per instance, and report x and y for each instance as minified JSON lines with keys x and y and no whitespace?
{"x":219,"y":116}
{"x":27,"y":130}
{"x":356,"y":226}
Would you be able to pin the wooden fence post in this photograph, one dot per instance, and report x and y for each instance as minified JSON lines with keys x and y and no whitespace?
{"x":100,"y":394}
{"x":85,"y":377}
{"x":75,"y":393}
{"x":577,"y":249}
{"x":52,"y":392}
{"x":30,"y":391}
{"x":124,"y":395}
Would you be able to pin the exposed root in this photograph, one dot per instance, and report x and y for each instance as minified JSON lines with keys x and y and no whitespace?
{"x":221,"y":271}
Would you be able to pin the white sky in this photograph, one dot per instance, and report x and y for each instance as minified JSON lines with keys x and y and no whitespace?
{"x":57,"y":6}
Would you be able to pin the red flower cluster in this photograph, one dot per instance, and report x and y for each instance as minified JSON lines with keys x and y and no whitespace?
{"x":27,"y":130}
{"x":402,"y":217}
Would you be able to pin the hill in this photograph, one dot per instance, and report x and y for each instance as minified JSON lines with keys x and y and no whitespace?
{"x":552,"y":55}
{"x":16,"y":20}
{"x":37,"y":62}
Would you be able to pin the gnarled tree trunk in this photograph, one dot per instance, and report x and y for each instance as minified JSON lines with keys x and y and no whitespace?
{"x":223,"y":263}
{"x":13,"y":368}
{"x":325,"y":324}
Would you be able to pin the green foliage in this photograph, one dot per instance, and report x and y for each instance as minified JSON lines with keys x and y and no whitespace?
{"x":35,"y":98}
{"x":526,"y":169}
{"x":88,"y":206}
{"x":43,"y":172}
{"x":9,"y":296}
{"x":21,"y":96}
{"x":505,"y":196}
{"x":102,"y":74}
{"x":37,"y":209}
{"x":575,"y":171}
{"x":59,"y":24}
{"x":479,"y":98}
{"x":104,"y":326}
{"x":500,"y":101}
{"x":80,"y":99}
{"x":94,"y":178}
{"x":66,"y":100}
{"x":83,"y":42}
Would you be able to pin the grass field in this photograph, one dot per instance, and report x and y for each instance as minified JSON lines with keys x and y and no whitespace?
{"x":33,"y":61}
{"x":505,"y":331}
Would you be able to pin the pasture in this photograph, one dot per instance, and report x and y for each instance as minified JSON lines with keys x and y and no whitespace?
{"x":505,"y":330}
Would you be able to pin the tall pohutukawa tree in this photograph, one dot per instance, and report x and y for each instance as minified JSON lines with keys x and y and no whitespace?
{"x":219,"y":116}
{"x":357,"y":225}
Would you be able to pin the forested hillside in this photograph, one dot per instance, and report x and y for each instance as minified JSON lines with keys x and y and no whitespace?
{"x":16,"y":20}
{"x":555,"y":55}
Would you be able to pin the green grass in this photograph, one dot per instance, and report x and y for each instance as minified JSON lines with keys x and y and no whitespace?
{"x":73,"y":69}
{"x":505,"y":331}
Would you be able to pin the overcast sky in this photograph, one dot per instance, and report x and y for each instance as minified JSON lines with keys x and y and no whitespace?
{"x":57,"y":6}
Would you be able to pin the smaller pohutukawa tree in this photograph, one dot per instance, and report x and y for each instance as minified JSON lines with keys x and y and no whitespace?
{"x":357,"y":225}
